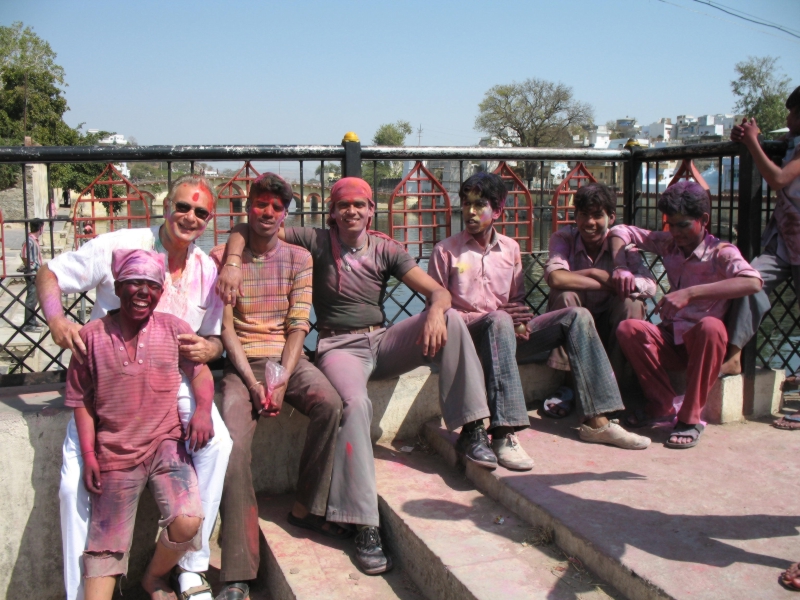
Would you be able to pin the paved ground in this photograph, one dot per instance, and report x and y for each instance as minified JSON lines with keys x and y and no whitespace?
{"x":716,"y":521}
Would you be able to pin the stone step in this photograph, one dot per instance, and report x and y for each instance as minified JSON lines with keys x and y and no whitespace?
{"x":297,"y":564}
{"x":456,"y":543}
{"x":701,"y":523}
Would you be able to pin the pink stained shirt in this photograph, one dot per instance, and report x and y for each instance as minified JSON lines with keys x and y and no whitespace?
{"x":785,"y":218}
{"x":480,"y":281}
{"x":712,"y":261}
{"x":567,"y":253}
{"x":134,"y":398}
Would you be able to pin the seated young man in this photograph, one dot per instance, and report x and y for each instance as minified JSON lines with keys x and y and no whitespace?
{"x":269,"y":323}
{"x":704,"y":275}
{"x":482,"y":269}
{"x":578,"y":271}
{"x":124,"y":395}
{"x":781,"y":239}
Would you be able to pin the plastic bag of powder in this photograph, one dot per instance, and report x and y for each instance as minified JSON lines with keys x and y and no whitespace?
{"x":275,"y":376}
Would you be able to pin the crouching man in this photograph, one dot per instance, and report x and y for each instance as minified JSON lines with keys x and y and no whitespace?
{"x":704,"y":274}
{"x":124,"y":393}
{"x":482,"y":269}
{"x":269,"y":323}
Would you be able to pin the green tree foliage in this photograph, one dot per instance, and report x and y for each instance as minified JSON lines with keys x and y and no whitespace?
{"x":388,"y":134}
{"x":32,"y":104}
{"x":761,"y":92}
{"x":533,"y":113}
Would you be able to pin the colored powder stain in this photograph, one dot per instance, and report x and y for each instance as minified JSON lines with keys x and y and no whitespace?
{"x":462,"y":267}
{"x":196,"y":196}
{"x":349,"y":449}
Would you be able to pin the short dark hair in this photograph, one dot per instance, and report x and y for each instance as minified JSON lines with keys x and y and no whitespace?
{"x":595,"y":195}
{"x":36,"y":225}
{"x":488,"y":186}
{"x":685,"y":197}
{"x":270,"y":183}
{"x":793,"y":101}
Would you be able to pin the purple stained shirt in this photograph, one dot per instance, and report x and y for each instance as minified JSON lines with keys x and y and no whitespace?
{"x":567,"y":253}
{"x":479,"y":280}
{"x":712,"y":261}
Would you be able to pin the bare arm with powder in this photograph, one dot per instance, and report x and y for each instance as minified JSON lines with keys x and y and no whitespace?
{"x":777,"y":177}
{"x":434,"y":334}
{"x":65,"y":333}
{"x":200,"y":430}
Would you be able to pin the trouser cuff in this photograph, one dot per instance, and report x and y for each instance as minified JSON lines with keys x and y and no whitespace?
{"x":105,"y":564}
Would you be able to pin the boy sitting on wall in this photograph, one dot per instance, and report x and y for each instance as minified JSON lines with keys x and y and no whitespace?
{"x":124,"y":395}
{"x":704,"y":274}
{"x":482,"y":270}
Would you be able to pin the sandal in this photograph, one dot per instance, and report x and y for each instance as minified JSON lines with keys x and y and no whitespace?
{"x":788,"y":422}
{"x":684,"y":430}
{"x":204,"y":587}
{"x":561,"y":400}
{"x":234,"y":591}
{"x":318,"y":523}
{"x":785,"y":578}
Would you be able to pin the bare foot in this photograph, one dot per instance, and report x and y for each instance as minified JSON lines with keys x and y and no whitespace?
{"x":733,"y":362}
{"x":791,"y":577}
{"x":158,"y":587}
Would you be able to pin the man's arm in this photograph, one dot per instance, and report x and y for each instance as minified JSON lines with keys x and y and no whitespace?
{"x":229,"y":280}
{"x":777,"y":177}
{"x":65,"y":333}
{"x":289,"y":358}
{"x":84,"y":423}
{"x":235,"y":353}
{"x":584,"y":280}
{"x":201,"y":349}
{"x":727,"y":289}
{"x":200,"y":430}
{"x":434,"y":334}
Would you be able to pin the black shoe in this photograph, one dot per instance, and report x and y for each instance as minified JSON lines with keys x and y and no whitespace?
{"x":369,"y":552}
{"x":474,"y":445}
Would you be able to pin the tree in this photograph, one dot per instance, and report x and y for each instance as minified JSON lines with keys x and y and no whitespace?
{"x":388,"y":134}
{"x":761,"y":92}
{"x":533,"y":113}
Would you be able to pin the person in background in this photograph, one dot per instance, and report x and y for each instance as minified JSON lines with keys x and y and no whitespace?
{"x":31,"y":263}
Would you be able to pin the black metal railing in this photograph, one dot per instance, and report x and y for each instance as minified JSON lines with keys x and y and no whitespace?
{"x":740,"y":206}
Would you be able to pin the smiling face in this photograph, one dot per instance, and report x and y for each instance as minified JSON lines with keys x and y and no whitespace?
{"x":138,"y":298}
{"x":593,"y":224}
{"x":265,"y":213}
{"x":182,"y":224}
{"x":352,"y":215}
{"x":687,"y":232}
{"x":478,"y":213}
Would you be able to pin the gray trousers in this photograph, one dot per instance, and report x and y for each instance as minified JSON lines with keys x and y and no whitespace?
{"x":30,"y":299}
{"x":496,"y":343}
{"x":745,"y":314}
{"x":596,"y":388}
{"x":349,"y":361}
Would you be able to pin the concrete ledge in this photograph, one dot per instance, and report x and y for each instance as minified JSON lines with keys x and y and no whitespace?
{"x":32,"y":425}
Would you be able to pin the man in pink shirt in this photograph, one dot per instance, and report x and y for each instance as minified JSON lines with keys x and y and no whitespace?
{"x":482,"y":270}
{"x":578,"y":271}
{"x":124,"y":392}
{"x":704,"y":274}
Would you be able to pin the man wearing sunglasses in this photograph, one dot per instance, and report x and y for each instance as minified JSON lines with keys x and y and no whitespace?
{"x":188,"y":294}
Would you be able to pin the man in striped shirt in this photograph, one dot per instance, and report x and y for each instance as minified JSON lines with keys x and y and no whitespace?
{"x":269,"y":324}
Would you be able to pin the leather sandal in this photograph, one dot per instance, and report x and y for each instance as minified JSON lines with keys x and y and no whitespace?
{"x":235,"y":590}
{"x":204,"y":587}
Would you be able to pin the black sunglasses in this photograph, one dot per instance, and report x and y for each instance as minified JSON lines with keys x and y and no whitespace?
{"x":184,"y":207}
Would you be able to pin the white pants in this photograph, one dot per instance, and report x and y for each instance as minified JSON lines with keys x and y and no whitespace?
{"x":210,"y":464}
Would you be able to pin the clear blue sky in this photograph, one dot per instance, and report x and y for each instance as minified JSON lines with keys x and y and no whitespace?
{"x":177,"y":72}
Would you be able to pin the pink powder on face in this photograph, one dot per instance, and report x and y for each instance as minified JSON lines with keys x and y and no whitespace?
{"x":196,"y":196}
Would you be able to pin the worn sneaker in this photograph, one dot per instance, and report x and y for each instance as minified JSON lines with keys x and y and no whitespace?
{"x":510,"y":454}
{"x":614,"y":435}
{"x":474,"y":445}
{"x":369,"y":552}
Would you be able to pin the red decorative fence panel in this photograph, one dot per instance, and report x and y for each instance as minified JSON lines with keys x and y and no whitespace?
{"x":235,"y":192}
{"x":419,"y":210}
{"x":517,"y":219}
{"x":562,"y":199}
{"x":115,"y":194}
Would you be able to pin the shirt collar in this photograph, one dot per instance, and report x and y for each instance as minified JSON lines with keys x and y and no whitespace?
{"x":579,"y":247}
{"x":492,"y":243}
{"x":702,"y":247}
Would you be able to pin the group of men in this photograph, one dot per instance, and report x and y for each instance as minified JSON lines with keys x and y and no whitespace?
{"x":253,"y":297}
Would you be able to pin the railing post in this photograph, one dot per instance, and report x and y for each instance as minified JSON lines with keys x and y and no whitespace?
{"x":351,"y":165}
{"x":749,"y":244}
{"x":632,"y":176}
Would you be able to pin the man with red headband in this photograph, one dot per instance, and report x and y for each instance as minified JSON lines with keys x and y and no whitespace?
{"x":352,"y":266}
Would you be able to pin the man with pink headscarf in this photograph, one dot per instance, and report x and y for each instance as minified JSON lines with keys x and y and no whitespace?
{"x":124,"y":392}
{"x":352,"y":266}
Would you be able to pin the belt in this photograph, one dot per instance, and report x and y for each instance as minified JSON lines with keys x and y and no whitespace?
{"x":326,"y":333}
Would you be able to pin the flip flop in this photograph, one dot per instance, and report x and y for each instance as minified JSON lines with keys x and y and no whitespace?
{"x":562,"y":399}
{"x":793,"y":420}
{"x":787,"y":584}
{"x":317,"y":523}
{"x":684,"y":430}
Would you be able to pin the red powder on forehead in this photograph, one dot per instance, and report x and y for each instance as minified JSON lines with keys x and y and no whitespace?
{"x":196,"y":196}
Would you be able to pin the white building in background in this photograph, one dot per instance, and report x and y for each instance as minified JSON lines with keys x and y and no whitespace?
{"x":660,"y":131}
{"x":115,"y":139}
